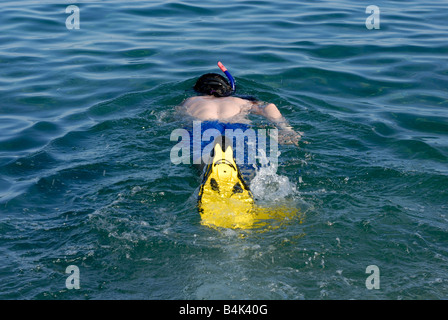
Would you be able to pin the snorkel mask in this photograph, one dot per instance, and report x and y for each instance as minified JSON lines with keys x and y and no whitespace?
{"x":216,"y":84}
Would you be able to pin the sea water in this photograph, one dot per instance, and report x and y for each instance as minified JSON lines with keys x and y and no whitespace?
{"x":88,"y":103}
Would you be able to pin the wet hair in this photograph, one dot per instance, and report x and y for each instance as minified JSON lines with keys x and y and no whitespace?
{"x":213,"y":84}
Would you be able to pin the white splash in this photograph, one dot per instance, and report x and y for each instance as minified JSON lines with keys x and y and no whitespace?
{"x":267,"y":185}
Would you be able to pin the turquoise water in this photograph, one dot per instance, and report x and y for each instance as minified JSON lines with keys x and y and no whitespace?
{"x":86,"y":177}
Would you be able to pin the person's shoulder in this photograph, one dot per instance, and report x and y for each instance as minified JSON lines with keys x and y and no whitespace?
{"x":191,"y":100}
{"x":240,"y":101}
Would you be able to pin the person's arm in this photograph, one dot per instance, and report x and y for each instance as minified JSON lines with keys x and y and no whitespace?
{"x":270,"y":111}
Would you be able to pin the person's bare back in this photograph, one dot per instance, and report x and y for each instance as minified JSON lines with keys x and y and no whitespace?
{"x":231,"y":109}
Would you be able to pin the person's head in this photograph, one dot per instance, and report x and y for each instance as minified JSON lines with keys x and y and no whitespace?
{"x":213,"y":84}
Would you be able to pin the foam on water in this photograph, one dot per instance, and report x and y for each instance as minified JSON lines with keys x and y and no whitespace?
{"x":268,"y":186}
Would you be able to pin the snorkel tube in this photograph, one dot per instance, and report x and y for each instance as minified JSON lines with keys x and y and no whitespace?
{"x":228,"y":75}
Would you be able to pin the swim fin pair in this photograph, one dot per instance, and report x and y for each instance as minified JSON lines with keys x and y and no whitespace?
{"x":224,"y":198}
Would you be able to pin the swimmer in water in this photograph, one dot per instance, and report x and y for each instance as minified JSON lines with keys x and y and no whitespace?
{"x":215,"y":104}
{"x":224,"y":197}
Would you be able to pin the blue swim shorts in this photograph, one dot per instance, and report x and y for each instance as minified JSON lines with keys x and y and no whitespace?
{"x":247,"y":141}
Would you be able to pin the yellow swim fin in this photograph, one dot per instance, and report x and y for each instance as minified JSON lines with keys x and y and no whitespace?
{"x":224,"y":198}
